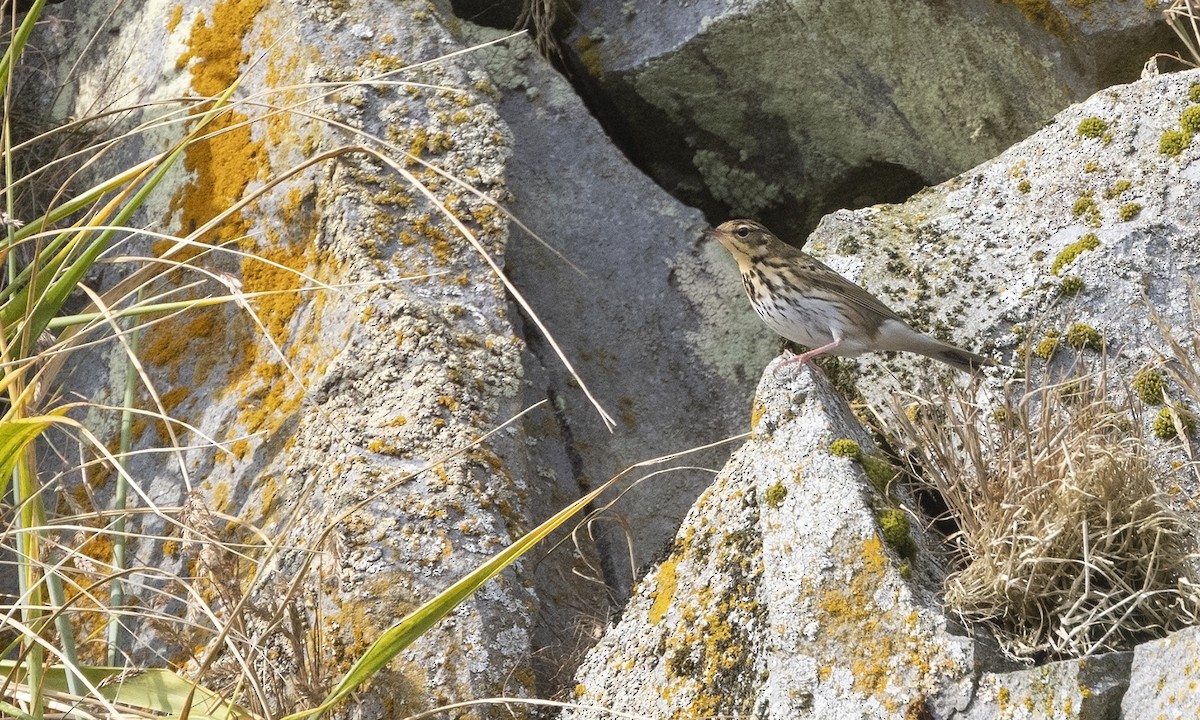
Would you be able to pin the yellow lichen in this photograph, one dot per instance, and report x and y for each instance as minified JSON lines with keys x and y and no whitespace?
{"x":664,"y":591}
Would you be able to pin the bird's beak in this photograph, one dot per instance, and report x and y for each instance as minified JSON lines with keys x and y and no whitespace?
{"x":711,"y":234}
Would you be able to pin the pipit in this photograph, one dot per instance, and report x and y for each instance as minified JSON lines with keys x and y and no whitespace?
{"x":810,"y":304}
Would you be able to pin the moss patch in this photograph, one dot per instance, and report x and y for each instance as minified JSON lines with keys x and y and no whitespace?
{"x":845,"y":447}
{"x":775,"y":495}
{"x":1173,"y":142}
{"x":1149,"y":385}
{"x":895,"y":526}
{"x":1048,"y":345}
{"x":1082,"y":336}
{"x":1071,"y":285}
{"x":1129,"y":211}
{"x":1074,"y":250}
{"x":1190,"y":120}
{"x":1164,"y":424}
{"x":1092,"y":127}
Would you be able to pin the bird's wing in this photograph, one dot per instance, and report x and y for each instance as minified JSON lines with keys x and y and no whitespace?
{"x":830,"y":280}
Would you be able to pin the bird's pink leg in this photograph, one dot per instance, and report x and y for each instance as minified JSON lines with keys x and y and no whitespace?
{"x":793,"y":360}
{"x":801,"y":359}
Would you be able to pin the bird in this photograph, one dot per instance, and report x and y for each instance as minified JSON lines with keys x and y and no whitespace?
{"x":809,"y":303}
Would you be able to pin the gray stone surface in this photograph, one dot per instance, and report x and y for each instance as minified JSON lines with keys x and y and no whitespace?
{"x":341,"y":408}
{"x":973,"y":260}
{"x":1165,"y":682}
{"x":1086,"y":689}
{"x":779,"y":599}
{"x":654,"y":320}
{"x":786,"y":110}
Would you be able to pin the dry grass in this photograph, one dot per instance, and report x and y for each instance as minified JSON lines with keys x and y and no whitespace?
{"x":1065,"y":546}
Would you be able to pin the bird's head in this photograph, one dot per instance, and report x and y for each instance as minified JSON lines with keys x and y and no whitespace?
{"x":743,"y":238}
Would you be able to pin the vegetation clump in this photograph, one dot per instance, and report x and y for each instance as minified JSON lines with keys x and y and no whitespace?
{"x":1190,"y":120}
{"x":1173,"y":142}
{"x":1085,"y":203}
{"x":1064,"y":544}
{"x":1082,"y":336}
{"x":1129,"y":211}
{"x":1117,"y":188}
{"x":1074,"y":250}
{"x":846,"y":447}
{"x":775,"y":495}
{"x":1024,"y":186}
{"x":1071,"y":285}
{"x":1149,"y":385}
{"x":1048,"y":345}
{"x":895,"y":526}
{"x":1092,"y":127}
{"x":1165,"y":427}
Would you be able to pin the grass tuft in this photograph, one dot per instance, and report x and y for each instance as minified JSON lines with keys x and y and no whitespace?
{"x":1065,"y":545}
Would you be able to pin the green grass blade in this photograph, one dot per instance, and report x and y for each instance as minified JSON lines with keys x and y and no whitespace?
{"x":157,"y":690}
{"x":15,"y":435}
{"x":17,"y":45}
{"x":399,"y":636}
{"x":51,"y":301}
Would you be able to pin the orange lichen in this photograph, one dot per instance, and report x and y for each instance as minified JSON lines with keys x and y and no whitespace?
{"x":228,"y":159}
{"x":175,"y":18}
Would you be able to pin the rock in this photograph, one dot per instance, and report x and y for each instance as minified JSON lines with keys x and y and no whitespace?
{"x":346,"y":408}
{"x":1083,"y":689}
{"x":786,"y":111}
{"x":653,"y":319}
{"x":780,"y":597}
{"x":1079,"y":223}
{"x":1164,"y":678}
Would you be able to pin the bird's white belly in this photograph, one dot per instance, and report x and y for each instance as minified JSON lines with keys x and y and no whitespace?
{"x":810,"y":324}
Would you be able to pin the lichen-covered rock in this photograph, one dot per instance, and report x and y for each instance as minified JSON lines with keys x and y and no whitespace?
{"x":1165,"y":678}
{"x":654,"y":321}
{"x":1078,"y":233}
{"x":376,"y":350}
{"x":1083,"y":689}
{"x":785,"y":110}
{"x":780,"y":597}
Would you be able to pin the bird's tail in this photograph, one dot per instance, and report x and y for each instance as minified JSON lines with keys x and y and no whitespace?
{"x":966,"y":361}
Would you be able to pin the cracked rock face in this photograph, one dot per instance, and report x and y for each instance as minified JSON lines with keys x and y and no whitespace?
{"x":786,"y":110}
{"x":779,"y":597}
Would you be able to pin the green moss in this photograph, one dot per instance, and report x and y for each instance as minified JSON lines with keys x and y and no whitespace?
{"x":1129,"y":211}
{"x":1190,"y":120}
{"x":1164,"y":424}
{"x":1024,"y":186}
{"x":1071,"y":285}
{"x":775,"y":495}
{"x":1194,"y":93}
{"x":1091,"y":166}
{"x":1046,"y":348}
{"x":1117,"y":188}
{"x":880,"y":472}
{"x":1149,"y":385}
{"x":895,"y":526}
{"x":1092,"y":127}
{"x":1085,"y":203}
{"x":846,"y":448}
{"x":1074,"y":250}
{"x":1000,"y":416}
{"x":1082,"y":336}
{"x":1173,"y":142}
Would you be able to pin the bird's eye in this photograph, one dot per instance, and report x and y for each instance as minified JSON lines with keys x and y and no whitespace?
{"x":742,"y":232}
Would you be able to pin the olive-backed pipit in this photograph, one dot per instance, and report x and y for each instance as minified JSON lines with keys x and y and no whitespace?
{"x":810,"y":304}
